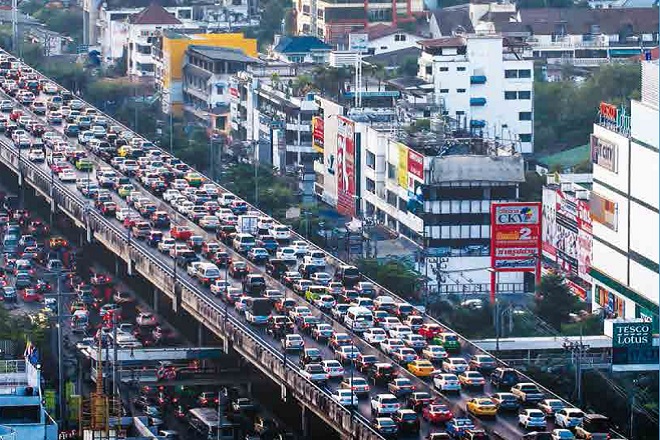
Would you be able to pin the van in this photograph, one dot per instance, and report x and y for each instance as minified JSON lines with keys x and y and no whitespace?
{"x":225,"y":199}
{"x":348,"y":275}
{"x":207,"y":273}
{"x":358,"y":319}
{"x":361,"y":301}
{"x":594,"y":427}
{"x":243,"y":242}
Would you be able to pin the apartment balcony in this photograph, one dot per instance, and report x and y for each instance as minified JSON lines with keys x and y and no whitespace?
{"x":580,"y":62}
{"x":477,"y":102}
{"x":569,"y":43}
{"x":304,"y":148}
{"x":478,"y":79}
{"x":197,"y":93}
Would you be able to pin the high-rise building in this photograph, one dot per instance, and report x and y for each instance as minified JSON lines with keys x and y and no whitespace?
{"x":624,"y":205}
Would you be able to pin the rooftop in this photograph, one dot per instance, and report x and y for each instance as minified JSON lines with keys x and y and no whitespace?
{"x":578,"y":21}
{"x":393,"y":58}
{"x":154,"y":14}
{"x":443,"y":42}
{"x":567,"y":158}
{"x":453,"y":20}
{"x":300,"y":44}
{"x":222,"y":53}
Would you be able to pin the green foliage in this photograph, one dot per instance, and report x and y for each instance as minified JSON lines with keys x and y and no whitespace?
{"x":564,"y":111}
{"x":64,"y":21}
{"x":408,"y":67}
{"x":591,"y":325}
{"x":554,"y":300}
{"x":331,"y":80}
{"x":393,"y":275}
{"x":274,"y":12}
{"x":531,"y":189}
{"x":31,"y":7}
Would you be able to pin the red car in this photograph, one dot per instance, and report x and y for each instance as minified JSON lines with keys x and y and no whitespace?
{"x":437,"y":413}
{"x":182,"y":233}
{"x":430,"y":331}
{"x":31,"y":295}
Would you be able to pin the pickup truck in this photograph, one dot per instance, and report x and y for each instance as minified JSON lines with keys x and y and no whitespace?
{"x":527,"y":392}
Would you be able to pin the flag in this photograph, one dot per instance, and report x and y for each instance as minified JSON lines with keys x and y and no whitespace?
{"x":29,"y":349}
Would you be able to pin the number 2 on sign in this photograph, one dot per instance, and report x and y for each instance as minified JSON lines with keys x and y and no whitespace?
{"x":525,"y":234}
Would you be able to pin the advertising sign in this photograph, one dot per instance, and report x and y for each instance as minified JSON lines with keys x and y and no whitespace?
{"x":604,"y":153}
{"x":317,"y":134}
{"x":549,"y":237}
{"x":415,"y":165}
{"x":402,"y":169}
{"x":515,"y":239}
{"x":632,"y":334}
{"x":345,"y":166}
{"x":358,"y":42}
{"x":604,"y":211}
{"x":632,"y":346}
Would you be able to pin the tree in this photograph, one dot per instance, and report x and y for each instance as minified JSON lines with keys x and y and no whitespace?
{"x":554,"y":300}
{"x":393,"y":275}
{"x":531,"y":190}
{"x":408,"y":67}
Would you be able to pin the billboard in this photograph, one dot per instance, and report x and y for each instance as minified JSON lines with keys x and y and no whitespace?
{"x":604,"y":153}
{"x":549,"y":236}
{"x":415,"y":166}
{"x":604,"y":211}
{"x":317,"y":134}
{"x":515,"y":238}
{"x":358,"y":43}
{"x":345,"y":166}
{"x":402,"y":168}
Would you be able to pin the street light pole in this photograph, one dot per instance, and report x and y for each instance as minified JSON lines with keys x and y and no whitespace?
{"x":60,"y":357}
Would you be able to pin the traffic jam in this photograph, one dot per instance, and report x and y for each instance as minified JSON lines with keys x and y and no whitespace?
{"x":408,"y":375}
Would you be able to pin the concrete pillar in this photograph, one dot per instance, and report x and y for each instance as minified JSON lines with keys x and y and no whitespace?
{"x":89,"y":233}
{"x":200,"y":334}
{"x":129,"y":267}
{"x":156,"y":300}
{"x":116,"y":265}
{"x":304,"y":419}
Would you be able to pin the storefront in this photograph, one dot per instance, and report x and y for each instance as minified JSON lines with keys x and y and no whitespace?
{"x":613,"y":304}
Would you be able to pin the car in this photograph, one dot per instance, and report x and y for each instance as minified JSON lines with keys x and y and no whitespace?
{"x":258,"y":255}
{"x":436,"y":413}
{"x":527,"y":392}
{"x":279,"y":325}
{"x":538,"y":435}
{"x":384,"y":404}
{"x":551,"y":406}
{"x":180,"y":233}
{"x":346,"y":353}
{"x":482,"y":362}
{"x":109,"y":309}
{"x":505,"y":401}
{"x":310,"y":356}
{"x":434,"y":353}
{"x":36,"y":155}
{"x":390,"y":344}
{"x":67,"y":175}
{"x":471,"y":379}
{"x":209,"y":222}
{"x":447,"y":382}
{"x":363,"y":362}
{"x":415,"y":322}
{"x":419,"y":400}
{"x":414,"y":341}
{"x":482,"y":407}
{"x":449,"y":340}
{"x":374,"y":335}
{"x":381,"y":372}
{"x":562,"y":434}
{"x":359,"y":385}
{"x":385,"y":426}
{"x":568,"y":418}
{"x":457,"y":427}
{"x":532,"y":418}
{"x":407,"y":419}
{"x":421,"y":368}
{"x":390,"y":322}
{"x":146,"y":319}
{"x":401,"y":386}
{"x":166,"y":245}
{"x":339,"y":311}
{"x":454,"y":365}
{"x":293,"y":342}
{"x":345,"y":397}
{"x":333,"y":368}
{"x":286,"y":254}
{"x":315,"y":373}
{"x":321,"y":278}
{"x":238,"y":269}
{"x":322,"y":332}
{"x":339,"y":339}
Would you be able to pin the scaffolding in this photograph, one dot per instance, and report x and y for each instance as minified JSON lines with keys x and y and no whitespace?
{"x":100,"y":415}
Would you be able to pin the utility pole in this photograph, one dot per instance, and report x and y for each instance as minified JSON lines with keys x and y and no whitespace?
{"x":577,"y":350}
{"x":60,"y":357}
{"x":14,"y":26}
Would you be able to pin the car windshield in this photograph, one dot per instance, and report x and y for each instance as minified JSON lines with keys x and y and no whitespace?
{"x":409,"y":416}
{"x":386,"y":422}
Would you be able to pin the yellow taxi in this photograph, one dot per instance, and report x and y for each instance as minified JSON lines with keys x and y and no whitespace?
{"x":194,"y":179}
{"x":421,"y":368}
{"x":125,"y":150}
{"x":58,"y":242}
{"x":482,"y":406}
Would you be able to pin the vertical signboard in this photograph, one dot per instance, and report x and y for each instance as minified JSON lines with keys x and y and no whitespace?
{"x":415,"y":174}
{"x":402,"y":169}
{"x":549,"y":236}
{"x":604,"y":211}
{"x":358,"y":43}
{"x":584,"y":240}
{"x":317,"y":134}
{"x":604,"y":154}
{"x":515,"y":239}
{"x":567,"y":232}
{"x":345,"y":166}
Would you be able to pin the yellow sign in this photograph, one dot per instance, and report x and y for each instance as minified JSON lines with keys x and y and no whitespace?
{"x":402,"y":172}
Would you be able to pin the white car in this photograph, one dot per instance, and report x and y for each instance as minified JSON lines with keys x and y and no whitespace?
{"x":325,"y":302}
{"x":179,"y":184}
{"x":293,"y":342}
{"x":67,"y":175}
{"x":185,"y":207}
{"x":562,"y":434}
{"x":315,"y":258}
{"x":374,"y":335}
{"x":454,"y":365}
{"x":209,"y":222}
{"x":193,"y":268}
{"x":280,"y":232}
{"x":36,"y":155}
{"x":171,"y":194}
{"x":321,"y":278}
{"x":568,"y":418}
{"x":333,"y":368}
{"x":287,"y":254}
{"x":435,"y":353}
{"x":146,"y":319}
{"x":399,"y":331}
{"x":414,"y":341}
{"x":300,"y":247}
{"x":532,"y":418}
{"x":388,"y":345}
{"x":447,"y":382}
{"x":220,"y":286}
{"x":345,"y":397}
{"x":390,"y":322}
{"x":122,"y":213}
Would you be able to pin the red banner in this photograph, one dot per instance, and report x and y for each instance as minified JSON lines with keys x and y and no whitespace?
{"x":416,"y":164}
{"x":317,"y":134}
{"x":346,"y":166}
{"x":608,"y":111}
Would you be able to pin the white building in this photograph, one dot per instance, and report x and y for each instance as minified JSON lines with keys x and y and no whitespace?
{"x":483,"y":82}
{"x":624,"y":205}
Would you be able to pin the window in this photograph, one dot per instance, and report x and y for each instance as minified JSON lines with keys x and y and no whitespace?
{"x":460,"y":90}
{"x":526,"y":137}
{"x":524,"y":116}
{"x":391,"y":171}
{"x":460,"y":113}
{"x":402,"y":205}
{"x":371,"y":160}
{"x":391,"y":198}
{"x":526,"y":73}
{"x":444,"y":90}
{"x":429,"y":70}
{"x":510,"y":73}
{"x":371,"y":186}
{"x":525,"y":94}
{"x":510,"y":95}
{"x":319,"y":14}
{"x":219,"y":90}
{"x":400,"y":37}
{"x":461,"y":69}
{"x":184,"y":14}
{"x":444,"y":69}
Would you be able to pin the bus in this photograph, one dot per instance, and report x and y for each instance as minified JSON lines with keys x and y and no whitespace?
{"x":205,"y":422}
{"x":257,"y":310}
{"x":358,"y":319}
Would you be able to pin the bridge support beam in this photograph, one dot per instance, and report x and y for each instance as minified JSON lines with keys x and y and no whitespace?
{"x":304,"y":419}
{"x":116,"y":266}
{"x":200,"y":334}
{"x":156,"y":300}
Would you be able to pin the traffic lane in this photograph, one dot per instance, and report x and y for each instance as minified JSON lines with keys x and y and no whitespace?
{"x":182,"y":219}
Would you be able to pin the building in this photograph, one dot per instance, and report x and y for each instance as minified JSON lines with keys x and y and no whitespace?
{"x":300,"y":49}
{"x":169,"y":52}
{"x":333,"y":21}
{"x":385,"y":39}
{"x":22,"y":402}
{"x":624,"y":204}
{"x":483,"y":81}
{"x":206,"y":73}
{"x":567,"y":239}
{"x":269,"y":113}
